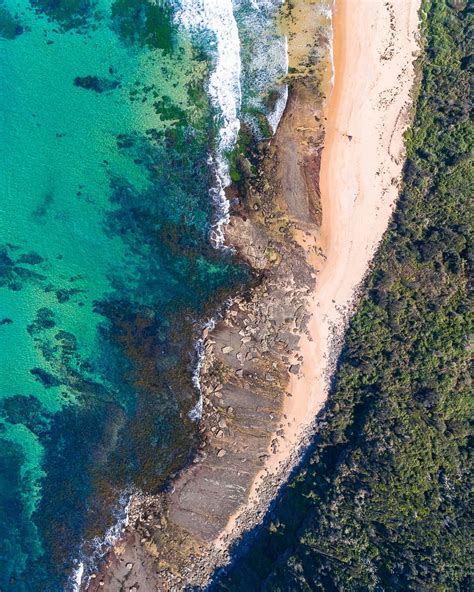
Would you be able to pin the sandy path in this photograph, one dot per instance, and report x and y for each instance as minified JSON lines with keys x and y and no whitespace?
{"x":375,"y":44}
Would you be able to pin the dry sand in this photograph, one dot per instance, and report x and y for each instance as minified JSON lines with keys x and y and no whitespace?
{"x":375,"y":45}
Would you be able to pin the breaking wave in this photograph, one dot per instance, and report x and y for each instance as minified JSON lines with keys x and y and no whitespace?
{"x":216,"y":17}
{"x":100,"y":546}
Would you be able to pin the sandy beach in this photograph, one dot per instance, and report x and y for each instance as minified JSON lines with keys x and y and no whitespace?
{"x":335,"y":165}
{"x":368,"y":111}
{"x":375,"y":45}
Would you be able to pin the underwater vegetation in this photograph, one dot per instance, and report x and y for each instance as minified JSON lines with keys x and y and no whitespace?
{"x":105,"y":268}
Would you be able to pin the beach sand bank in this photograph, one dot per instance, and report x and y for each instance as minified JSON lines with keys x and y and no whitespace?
{"x":375,"y":45}
{"x":309,"y":224}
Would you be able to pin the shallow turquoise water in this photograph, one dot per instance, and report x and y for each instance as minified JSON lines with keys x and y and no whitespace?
{"x":105,"y":265}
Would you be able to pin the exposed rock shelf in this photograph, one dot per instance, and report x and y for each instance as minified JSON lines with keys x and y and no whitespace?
{"x":269,"y":360}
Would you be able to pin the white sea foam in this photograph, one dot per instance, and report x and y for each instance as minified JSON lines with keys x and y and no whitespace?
{"x":76,"y":577}
{"x":275,"y":117}
{"x":217,"y":18}
{"x":196,"y":412}
{"x":264,"y":53}
{"x":329,"y":15}
{"x":101,"y":545}
{"x":261,"y":4}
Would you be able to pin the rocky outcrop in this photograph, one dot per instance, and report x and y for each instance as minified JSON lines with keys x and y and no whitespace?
{"x":178,"y":538}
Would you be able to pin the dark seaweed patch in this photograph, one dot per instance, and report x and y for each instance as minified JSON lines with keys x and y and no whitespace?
{"x":30,"y":259}
{"x":68,"y":13}
{"x":12,"y":275}
{"x":64,"y":294}
{"x":144,"y":23}
{"x":42,"y":209}
{"x":98,"y":85}
{"x":168,"y":111}
{"x":125,"y":141}
{"x":6,"y":268}
{"x":44,"y":320}
{"x":10,"y":27}
{"x":26,"y":410}
{"x":18,"y":531}
{"x":46,"y":379}
{"x":77,"y":446}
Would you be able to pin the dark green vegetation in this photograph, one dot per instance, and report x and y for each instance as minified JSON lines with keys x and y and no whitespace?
{"x":67,"y":13}
{"x":382,"y":501}
{"x":95,"y":83}
{"x":144,"y":22}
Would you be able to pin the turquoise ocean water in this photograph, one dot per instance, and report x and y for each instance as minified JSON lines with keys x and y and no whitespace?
{"x":116,"y":119}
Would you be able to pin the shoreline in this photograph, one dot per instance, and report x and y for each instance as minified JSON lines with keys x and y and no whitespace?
{"x":338,"y":280}
{"x":268,"y":363}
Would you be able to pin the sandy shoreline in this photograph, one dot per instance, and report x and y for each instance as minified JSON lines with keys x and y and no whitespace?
{"x":266,"y":374}
{"x":359,"y":181}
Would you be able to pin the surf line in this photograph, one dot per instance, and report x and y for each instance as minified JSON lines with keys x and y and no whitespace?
{"x":224,"y":89}
{"x":80,"y":576}
{"x":217,"y":18}
{"x":280,"y":105}
{"x":199,"y":351}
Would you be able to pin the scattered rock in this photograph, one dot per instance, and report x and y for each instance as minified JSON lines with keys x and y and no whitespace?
{"x":260,"y":328}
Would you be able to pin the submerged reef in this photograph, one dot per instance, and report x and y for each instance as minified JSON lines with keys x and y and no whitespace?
{"x":106,"y":271}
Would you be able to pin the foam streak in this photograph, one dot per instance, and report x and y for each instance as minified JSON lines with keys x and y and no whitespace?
{"x":217,"y":17}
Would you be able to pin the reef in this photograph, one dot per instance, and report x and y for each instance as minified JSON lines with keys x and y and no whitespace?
{"x":177,"y":539}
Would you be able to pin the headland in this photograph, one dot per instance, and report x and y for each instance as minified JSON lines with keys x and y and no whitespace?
{"x":308,"y":213}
